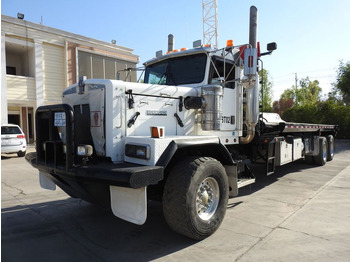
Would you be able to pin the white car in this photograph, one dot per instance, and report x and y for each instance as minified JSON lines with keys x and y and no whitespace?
{"x":13,"y":140}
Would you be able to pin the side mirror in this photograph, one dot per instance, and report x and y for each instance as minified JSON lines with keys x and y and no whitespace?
{"x":271,"y":46}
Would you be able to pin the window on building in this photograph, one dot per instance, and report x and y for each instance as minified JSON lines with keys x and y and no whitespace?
{"x":10,"y":70}
{"x":98,"y":66}
{"x":20,"y":60}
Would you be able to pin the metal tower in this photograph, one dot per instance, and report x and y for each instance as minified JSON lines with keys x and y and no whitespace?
{"x":210,"y":22}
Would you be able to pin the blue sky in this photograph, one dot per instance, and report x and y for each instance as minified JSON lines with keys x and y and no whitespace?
{"x":312,"y":36}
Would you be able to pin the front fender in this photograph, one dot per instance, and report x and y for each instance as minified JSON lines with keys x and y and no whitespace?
{"x":210,"y":148}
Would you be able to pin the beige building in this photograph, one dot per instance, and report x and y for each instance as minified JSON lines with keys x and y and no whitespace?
{"x":38,"y":62}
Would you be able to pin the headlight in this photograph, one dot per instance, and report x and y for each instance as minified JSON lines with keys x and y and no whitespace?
{"x":84,"y":150}
{"x":138,"y":151}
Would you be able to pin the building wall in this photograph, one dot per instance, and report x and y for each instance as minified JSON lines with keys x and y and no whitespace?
{"x":54,"y":74}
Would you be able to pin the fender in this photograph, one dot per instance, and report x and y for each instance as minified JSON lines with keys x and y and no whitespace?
{"x":211,"y":147}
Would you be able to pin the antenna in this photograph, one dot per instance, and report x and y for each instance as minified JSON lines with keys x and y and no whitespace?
{"x":210,"y":22}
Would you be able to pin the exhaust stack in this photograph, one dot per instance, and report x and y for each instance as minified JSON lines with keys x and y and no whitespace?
{"x":253,"y":26}
{"x":170,"y":43}
{"x":252,"y":93}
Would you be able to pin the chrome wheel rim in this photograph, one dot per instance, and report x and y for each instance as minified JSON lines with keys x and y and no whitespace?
{"x":331,"y":146}
{"x":325,"y":152}
{"x":207,"y":200}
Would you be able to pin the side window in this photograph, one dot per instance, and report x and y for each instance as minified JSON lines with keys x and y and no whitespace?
{"x":221,"y":71}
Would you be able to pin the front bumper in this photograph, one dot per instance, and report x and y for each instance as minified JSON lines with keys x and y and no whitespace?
{"x":124,"y":175}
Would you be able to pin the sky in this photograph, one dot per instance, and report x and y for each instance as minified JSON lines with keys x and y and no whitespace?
{"x":312,"y":36}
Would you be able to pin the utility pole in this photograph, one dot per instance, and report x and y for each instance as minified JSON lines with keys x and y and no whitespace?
{"x":210,"y":22}
{"x":296,"y":88}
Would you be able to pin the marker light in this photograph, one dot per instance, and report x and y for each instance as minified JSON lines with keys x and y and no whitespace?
{"x":229,"y":43}
{"x":183,"y":49}
{"x":157,"y":132}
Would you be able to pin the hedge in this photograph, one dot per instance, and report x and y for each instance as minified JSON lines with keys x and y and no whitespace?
{"x":327,"y":112}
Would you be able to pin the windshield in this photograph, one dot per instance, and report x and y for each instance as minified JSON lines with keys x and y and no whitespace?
{"x":177,"y":71}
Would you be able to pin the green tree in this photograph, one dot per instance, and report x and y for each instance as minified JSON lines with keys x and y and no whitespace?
{"x":342,"y":85}
{"x":289,"y":94}
{"x":308,"y":93}
{"x":265,"y":91}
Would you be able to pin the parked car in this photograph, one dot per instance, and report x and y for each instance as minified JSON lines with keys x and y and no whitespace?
{"x":13,"y":140}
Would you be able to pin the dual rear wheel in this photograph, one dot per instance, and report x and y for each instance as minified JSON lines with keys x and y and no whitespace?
{"x":326,"y":151}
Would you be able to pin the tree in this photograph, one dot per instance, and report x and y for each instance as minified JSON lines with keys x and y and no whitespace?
{"x":342,"y":84}
{"x":282,"y":105}
{"x":310,"y":92}
{"x":265,"y":91}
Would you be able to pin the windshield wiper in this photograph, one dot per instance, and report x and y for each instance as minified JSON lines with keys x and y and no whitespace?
{"x":160,"y":79}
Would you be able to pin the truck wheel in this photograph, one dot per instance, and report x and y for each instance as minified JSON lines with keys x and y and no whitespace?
{"x":309,"y":160}
{"x":195,"y":197}
{"x":330,"y":148}
{"x":321,"y":158}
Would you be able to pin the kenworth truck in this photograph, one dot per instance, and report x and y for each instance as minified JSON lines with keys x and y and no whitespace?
{"x":188,"y":136}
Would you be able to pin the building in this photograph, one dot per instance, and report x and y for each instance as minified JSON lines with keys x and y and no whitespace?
{"x":38,"y":62}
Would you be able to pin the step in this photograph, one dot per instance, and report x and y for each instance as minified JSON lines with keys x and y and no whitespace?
{"x":245,"y":182}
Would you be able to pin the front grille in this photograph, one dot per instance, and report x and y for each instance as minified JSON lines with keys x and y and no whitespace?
{"x":50,"y":148}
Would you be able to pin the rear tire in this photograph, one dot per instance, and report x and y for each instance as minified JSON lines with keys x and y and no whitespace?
{"x":321,"y":158}
{"x":309,"y":160}
{"x":195,"y":197}
{"x":330,"y":148}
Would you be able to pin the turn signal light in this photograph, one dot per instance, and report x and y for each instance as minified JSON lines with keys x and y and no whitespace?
{"x":157,"y":132}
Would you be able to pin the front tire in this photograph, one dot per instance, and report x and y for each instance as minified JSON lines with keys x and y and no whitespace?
{"x":195,"y":197}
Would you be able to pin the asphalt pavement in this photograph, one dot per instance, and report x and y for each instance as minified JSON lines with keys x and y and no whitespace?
{"x":302,"y":213}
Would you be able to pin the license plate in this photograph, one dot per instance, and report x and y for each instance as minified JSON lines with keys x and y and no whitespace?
{"x":60,"y":119}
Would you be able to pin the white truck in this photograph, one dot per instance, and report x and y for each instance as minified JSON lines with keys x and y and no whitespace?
{"x":187,"y":136}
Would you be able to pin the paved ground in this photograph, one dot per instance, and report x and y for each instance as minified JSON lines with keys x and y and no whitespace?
{"x":302,"y":213}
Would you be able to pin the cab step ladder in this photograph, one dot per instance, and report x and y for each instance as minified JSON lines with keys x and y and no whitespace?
{"x":270,"y":157}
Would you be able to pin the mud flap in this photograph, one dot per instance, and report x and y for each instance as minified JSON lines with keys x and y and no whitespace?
{"x":129,"y":204}
{"x":46,"y":182}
